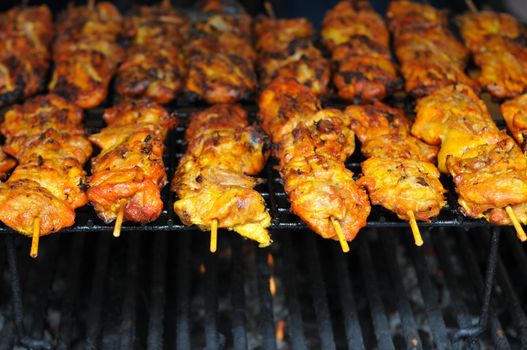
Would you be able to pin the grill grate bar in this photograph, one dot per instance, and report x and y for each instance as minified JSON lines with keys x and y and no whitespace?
{"x":129,"y":307}
{"x":378,"y":314}
{"x":183,"y":290}
{"x":347,"y":302}
{"x":265,"y":300}
{"x":318,"y":293}
{"x":93,"y":332}
{"x":437,"y":324}
{"x":73,"y":281}
{"x":295,"y":321}
{"x":497,"y":333}
{"x":157,"y":294}
{"x":409,"y":325}
{"x":239,"y":327}
{"x":211,"y":302}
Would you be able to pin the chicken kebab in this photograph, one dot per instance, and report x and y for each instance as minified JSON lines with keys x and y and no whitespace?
{"x":359,"y":43}
{"x":497,"y":42}
{"x":46,"y":137}
{"x":214,"y":182}
{"x":311,"y":146}
{"x":488,"y":168}
{"x":430,"y":56}
{"x":129,"y":173}
{"x":219,"y":55}
{"x":514,"y":113}
{"x":26,"y":34}
{"x":399,"y":173}
{"x":285,"y":49}
{"x":86,"y":53}
{"x":154,"y":66}
{"x":6,"y":164}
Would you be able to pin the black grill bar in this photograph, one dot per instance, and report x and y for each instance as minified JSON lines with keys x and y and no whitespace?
{"x":93,"y":333}
{"x":239,"y":327}
{"x":182,"y":294}
{"x":211,"y":302}
{"x":378,"y":314}
{"x":429,"y":295}
{"x":157,"y":293}
{"x":265,"y":300}
{"x":409,"y":325}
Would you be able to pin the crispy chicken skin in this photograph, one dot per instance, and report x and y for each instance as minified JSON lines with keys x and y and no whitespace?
{"x":129,"y":172}
{"x":213,"y":179}
{"x":399,"y":173}
{"x":497,"y":42}
{"x":286,"y":50}
{"x":359,"y":41}
{"x":86,"y":53}
{"x":219,"y":55}
{"x":45,"y":135}
{"x":6,"y":164}
{"x":154,"y":66}
{"x":24,"y":51}
{"x":312,"y":144}
{"x":515,"y":115}
{"x":488,"y":168}
{"x":430,"y":56}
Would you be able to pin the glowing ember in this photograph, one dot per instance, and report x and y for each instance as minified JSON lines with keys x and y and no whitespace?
{"x":280,"y":328}
{"x":270,"y":261}
{"x":202,"y":269}
{"x":272,"y":286}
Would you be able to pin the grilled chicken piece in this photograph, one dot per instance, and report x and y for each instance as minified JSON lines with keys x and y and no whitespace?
{"x":86,"y":53}
{"x":312,"y":146}
{"x":359,"y":41}
{"x":219,"y":55}
{"x":401,"y":185}
{"x":497,"y":43}
{"x":515,"y":115}
{"x":6,"y":164}
{"x":430,"y":56}
{"x":129,"y":172}
{"x":212,"y":180}
{"x":286,"y":50}
{"x":399,"y":173}
{"x":24,"y":51}
{"x":488,"y":168}
{"x":154,"y":66}
{"x":46,"y":137}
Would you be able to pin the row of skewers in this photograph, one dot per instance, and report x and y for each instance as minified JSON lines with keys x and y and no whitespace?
{"x":214,"y":181}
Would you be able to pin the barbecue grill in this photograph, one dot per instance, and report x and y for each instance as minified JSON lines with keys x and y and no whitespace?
{"x":158,"y":287}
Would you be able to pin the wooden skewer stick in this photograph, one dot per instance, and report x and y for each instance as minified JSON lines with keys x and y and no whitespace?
{"x":91,"y":5}
{"x":36,"y":236}
{"x":165,"y":4}
{"x":519,"y":229}
{"x":269,"y":9}
{"x":118,"y":222}
{"x":342,"y":239}
{"x":471,"y":6}
{"x":214,"y":236}
{"x":415,"y":229}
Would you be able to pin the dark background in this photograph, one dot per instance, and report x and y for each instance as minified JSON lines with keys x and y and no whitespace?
{"x":314,"y":10}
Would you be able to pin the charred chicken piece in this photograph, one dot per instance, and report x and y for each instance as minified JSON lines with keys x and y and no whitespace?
{"x":213,"y":179}
{"x":515,"y":115}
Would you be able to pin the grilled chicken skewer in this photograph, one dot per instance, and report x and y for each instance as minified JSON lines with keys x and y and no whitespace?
{"x":219,"y":54}
{"x":6,"y":164}
{"x":312,"y":146}
{"x":497,"y":42}
{"x":285,"y":49}
{"x":515,"y":115}
{"x":46,"y":136}
{"x":24,"y":52}
{"x":86,"y":53}
{"x":488,"y":168}
{"x":399,"y":173}
{"x":214,"y":180}
{"x":359,"y":42}
{"x":154,"y":66}
{"x":129,"y":173}
{"x":429,"y":54}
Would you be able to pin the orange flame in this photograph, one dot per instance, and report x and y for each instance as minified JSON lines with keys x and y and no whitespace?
{"x":280,"y":328}
{"x":270,"y":261}
{"x":202,"y":269}
{"x":272,"y":286}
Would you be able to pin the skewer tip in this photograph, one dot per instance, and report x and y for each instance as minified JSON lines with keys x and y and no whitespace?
{"x":118,"y":222}
{"x":214,"y":236}
{"x":35,"y":239}
{"x":418,"y":239}
{"x":517,"y":226}
{"x":471,"y":6}
{"x":269,"y":10}
{"x":342,"y":239}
